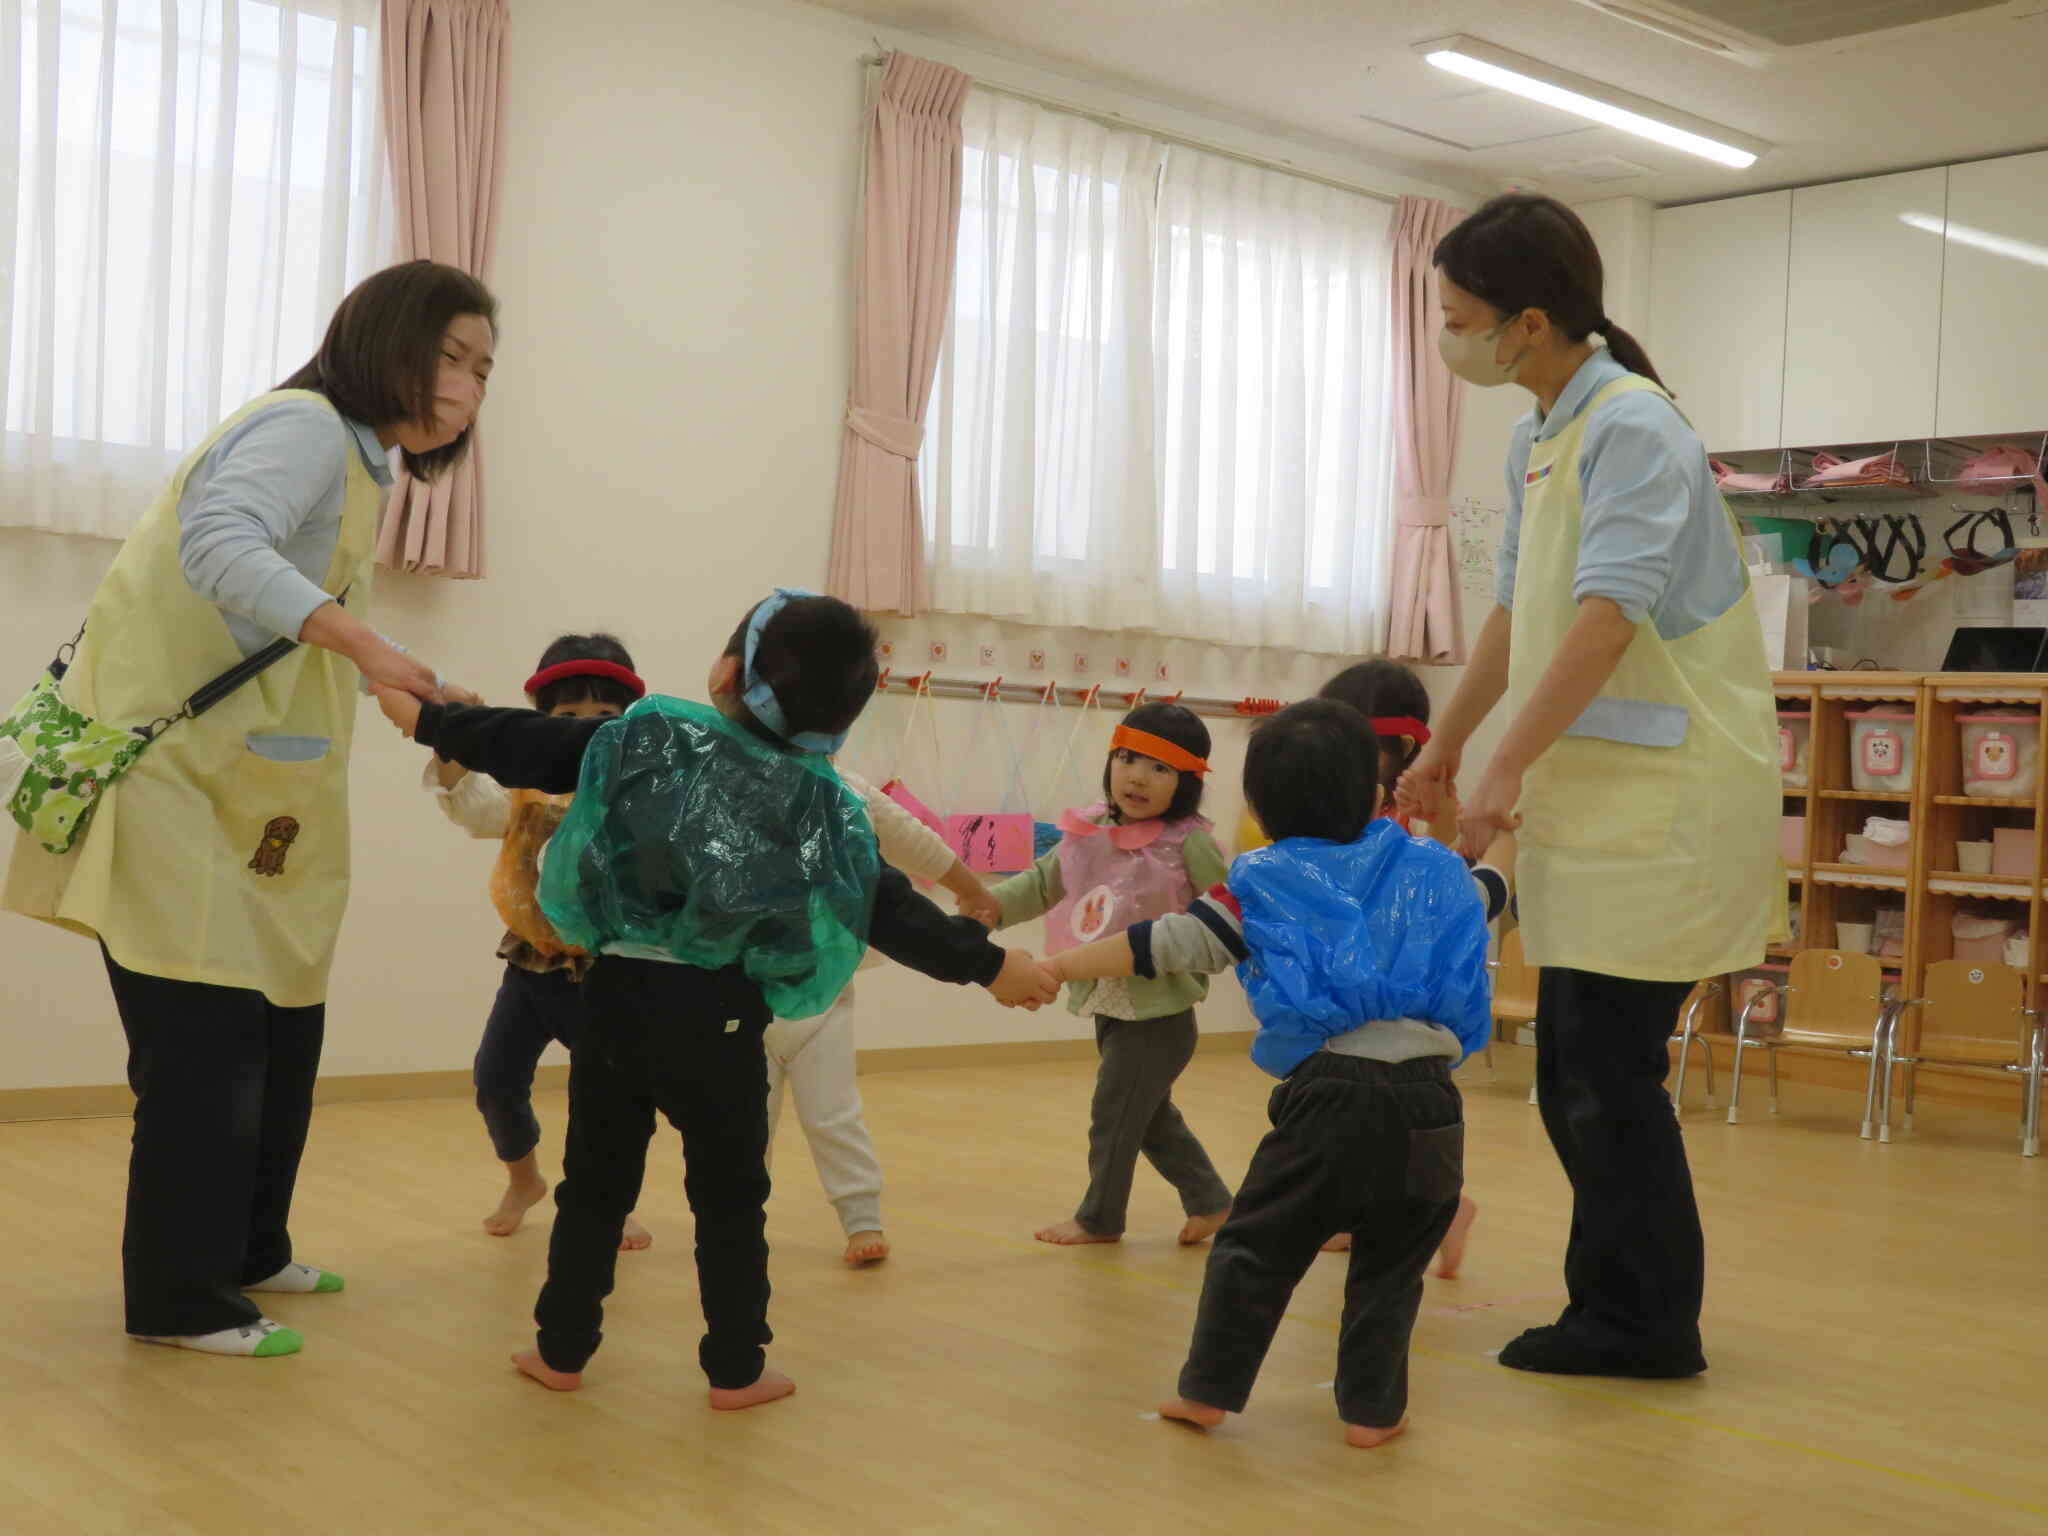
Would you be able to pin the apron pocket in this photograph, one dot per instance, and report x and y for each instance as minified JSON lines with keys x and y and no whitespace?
{"x":274,"y":815}
{"x":1593,"y":796}
{"x":1436,"y":1163}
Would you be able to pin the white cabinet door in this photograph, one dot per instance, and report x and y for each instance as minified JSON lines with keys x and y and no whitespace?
{"x":1717,"y":315}
{"x":1863,"y":317}
{"x":1994,"y":313}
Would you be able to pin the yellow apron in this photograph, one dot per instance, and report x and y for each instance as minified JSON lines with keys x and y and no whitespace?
{"x":1649,"y":847}
{"x":211,"y":861}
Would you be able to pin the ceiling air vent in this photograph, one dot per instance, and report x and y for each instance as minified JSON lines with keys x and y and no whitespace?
{"x":1759,"y":31}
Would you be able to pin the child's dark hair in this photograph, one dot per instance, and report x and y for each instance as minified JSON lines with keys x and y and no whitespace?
{"x":1523,"y":252}
{"x":818,"y":655}
{"x":1181,"y":726}
{"x":1384,"y":690}
{"x":574,"y":690}
{"x":1313,"y":770}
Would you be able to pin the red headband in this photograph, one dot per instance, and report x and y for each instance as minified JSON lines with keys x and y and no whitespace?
{"x":611,"y":671}
{"x":1158,"y":748}
{"x":1403,"y":725}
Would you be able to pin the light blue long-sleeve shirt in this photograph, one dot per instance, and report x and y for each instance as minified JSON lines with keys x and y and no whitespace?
{"x":261,"y":514}
{"x":1654,"y":538}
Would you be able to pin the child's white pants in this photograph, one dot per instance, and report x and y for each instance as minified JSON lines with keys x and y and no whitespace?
{"x":814,"y":1058}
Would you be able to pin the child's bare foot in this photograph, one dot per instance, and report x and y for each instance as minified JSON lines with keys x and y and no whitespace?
{"x":1067,"y":1234}
{"x":521,"y":1196}
{"x":1201,"y":1415}
{"x":767,"y":1387}
{"x":1199,"y":1229}
{"x":530,"y":1362}
{"x":635,"y":1237}
{"x":1365,"y":1439}
{"x":866,"y":1248}
{"x":1451,"y":1256}
{"x":1341,"y":1243}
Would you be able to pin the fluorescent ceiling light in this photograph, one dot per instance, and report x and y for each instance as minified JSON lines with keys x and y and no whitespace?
{"x":1982,"y":239}
{"x":1539,"y":82}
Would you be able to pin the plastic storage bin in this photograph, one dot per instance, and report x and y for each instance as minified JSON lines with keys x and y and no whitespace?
{"x":1761,"y":983}
{"x":2001,"y":754}
{"x":2012,"y":852}
{"x":1795,"y":748}
{"x":1881,"y":745}
{"x":1792,"y":840}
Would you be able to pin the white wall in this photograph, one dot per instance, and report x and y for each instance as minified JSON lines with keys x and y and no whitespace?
{"x":663,"y":433}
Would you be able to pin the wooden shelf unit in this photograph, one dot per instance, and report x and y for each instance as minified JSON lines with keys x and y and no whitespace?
{"x":1931,"y":887}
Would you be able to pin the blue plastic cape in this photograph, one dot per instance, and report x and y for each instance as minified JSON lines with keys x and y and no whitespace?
{"x":1344,"y":934}
{"x":693,"y":839}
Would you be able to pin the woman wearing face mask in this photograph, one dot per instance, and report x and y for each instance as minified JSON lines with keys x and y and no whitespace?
{"x":213,"y":873}
{"x":1637,"y":762}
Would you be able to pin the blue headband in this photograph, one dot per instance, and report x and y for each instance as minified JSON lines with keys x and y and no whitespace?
{"x":760,"y":698}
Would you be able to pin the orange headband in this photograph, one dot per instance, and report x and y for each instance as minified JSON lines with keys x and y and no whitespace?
{"x":1148,"y":745}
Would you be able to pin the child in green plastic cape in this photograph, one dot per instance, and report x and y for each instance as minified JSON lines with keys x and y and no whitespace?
{"x":721,"y":873}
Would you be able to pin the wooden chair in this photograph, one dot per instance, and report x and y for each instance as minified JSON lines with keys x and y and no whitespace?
{"x":1690,"y":1034}
{"x":1833,"y":1004}
{"x":1514,"y":989}
{"x":1969,"y":1020}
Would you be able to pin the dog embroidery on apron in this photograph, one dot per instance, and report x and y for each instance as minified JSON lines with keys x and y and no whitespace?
{"x":278,"y":836}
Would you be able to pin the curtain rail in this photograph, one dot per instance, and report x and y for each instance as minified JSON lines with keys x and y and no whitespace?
{"x":1074,"y":693}
{"x":1167,"y":136}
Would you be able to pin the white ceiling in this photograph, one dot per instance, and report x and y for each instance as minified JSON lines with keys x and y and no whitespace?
{"x":1341,"y":72}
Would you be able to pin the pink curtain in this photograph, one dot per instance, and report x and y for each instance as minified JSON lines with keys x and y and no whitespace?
{"x":444,"y":103}
{"x":911,"y":225}
{"x":1427,"y":404}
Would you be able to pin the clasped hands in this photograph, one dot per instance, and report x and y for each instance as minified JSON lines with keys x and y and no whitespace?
{"x":1430,"y":787}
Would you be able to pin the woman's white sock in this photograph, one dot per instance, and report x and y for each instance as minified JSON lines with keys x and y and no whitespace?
{"x":299,"y":1280}
{"x":261,"y":1340}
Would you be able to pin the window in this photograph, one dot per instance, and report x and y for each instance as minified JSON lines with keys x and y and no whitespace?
{"x":1161,"y":403}
{"x":193,"y":187}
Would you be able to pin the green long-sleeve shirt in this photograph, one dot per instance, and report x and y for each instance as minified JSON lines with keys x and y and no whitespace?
{"x":1039,"y":889}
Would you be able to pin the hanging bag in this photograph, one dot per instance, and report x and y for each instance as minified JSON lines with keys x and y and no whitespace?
{"x":56,"y":762}
{"x":894,"y":787}
{"x":997,"y":842}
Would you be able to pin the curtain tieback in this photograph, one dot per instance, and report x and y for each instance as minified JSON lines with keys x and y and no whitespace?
{"x":1423,"y":512}
{"x":886,"y":430}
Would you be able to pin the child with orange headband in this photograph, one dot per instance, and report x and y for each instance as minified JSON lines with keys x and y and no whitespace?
{"x":1140,"y":853}
{"x":585,"y":676}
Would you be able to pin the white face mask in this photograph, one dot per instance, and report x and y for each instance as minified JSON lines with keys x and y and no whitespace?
{"x":1475,"y":357}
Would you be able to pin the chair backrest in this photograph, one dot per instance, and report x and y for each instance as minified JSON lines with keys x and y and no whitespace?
{"x":1514,"y":981}
{"x":1835,"y":997}
{"x":1973,"y":1012}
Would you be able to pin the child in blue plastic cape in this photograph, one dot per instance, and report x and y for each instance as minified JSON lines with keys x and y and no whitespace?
{"x":1363,"y":952}
{"x":721,"y":873}
{"x":1394,"y":699}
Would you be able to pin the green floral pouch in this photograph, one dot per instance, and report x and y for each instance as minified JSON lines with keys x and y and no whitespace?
{"x":55,"y":763}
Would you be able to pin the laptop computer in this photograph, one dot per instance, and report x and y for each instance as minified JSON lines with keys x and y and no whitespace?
{"x":1996,"y":648}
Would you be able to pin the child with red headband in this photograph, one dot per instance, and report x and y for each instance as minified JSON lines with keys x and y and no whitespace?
{"x":538,"y":1001}
{"x":1141,"y":853}
{"x":1394,"y":699}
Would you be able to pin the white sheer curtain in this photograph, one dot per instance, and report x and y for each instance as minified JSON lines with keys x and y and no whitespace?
{"x":187,"y":189}
{"x":1276,"y":451}
{"x":1163,"y":401}
{"x":1039,"y":469}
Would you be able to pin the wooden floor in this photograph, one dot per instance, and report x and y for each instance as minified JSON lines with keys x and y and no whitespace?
{"x":1876,"y":1323}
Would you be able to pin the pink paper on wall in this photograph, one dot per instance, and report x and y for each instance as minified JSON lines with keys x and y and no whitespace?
{"x":993,"y":842}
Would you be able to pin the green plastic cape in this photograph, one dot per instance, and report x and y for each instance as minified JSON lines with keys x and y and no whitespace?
{"x":693,"y":839}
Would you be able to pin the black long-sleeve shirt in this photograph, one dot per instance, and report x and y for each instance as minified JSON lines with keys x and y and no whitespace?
{"x":524,"y":749}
